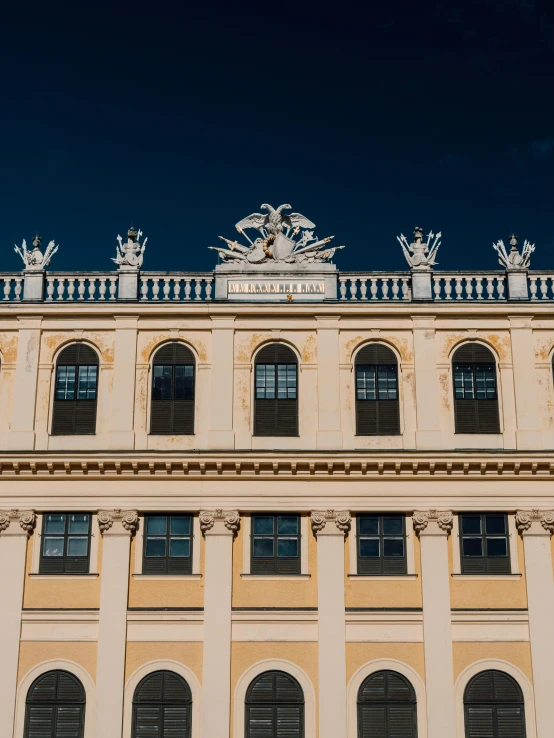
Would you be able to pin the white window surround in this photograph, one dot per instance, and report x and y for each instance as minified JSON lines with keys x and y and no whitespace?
{"x":353,"y":552}
{"x":457,"y":560}
{"x":52,"y":665}
{"x":469,"y":672}
{"x":139,"y":548}
{"x":379,"y":665}
{"x":246,"y":524}
{"x":274,"y":665}
{"x":165,"y":665}
{"x":37,"y":543}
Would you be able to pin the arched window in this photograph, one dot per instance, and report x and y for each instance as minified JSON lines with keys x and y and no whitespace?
{"x":475,"y":392}
{"x":276,"y":392}
{"x":377,"y":407}
{"x":387,"y":707}
{"x":274,"y":707}
{"x":173,"y":391}
{"x":493,"y":706}
{"x":55,"y":707}
{"x":162,"y":707}
{"x":75,"y":392}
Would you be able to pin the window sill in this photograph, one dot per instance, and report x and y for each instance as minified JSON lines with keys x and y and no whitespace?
{"x":63,"y":576}
{"x":486,"y":577}
{"x":167,"y":577}
{"x":383,"y":577}
{"x":276,"y":577}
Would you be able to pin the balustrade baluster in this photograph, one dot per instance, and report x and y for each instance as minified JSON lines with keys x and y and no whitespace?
{"x":102,"y":289}
{"x":7,"y":287}
{"x":533,"y":287}
{"x":479,"y":287}
{"x":490,"y":288}
{"x":437,"y":288}
{"x":448,"y":288}
{"x":166,"y":288}
{"x":405,"y":288}
{"x":81,"y":288}
{"x":544,"y":288}
{"x":91,"y":288}
{"x":187,"y":288}
{"x":395,"y":288}
{"x":373,"y":287}
{"x":61,"y":288}
{"x":353,"y":288}
{"x":18,"y":287}
{"x":469,"y":288}
{"x":197,"y":289}
{"x":155,"y":288}
{"x":71,"y":288}
{"x":458,"y":288}
{"x":385,"y":288}
{"x":500,"y":287}
{"x":363,"y":288}
{"x":113,"y":287}
{"x":209,"y":288}
{"x":342,"y":281}
{"x":50,"y":288}
{"x":144,"y":288}
{"x":176,"y":288}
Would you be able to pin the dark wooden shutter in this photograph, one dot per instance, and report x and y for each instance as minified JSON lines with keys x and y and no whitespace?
{"x":274,"y":707}
{"x":173,"y":417}
{"x":55,"y":707}
{"x":278,"y":417}
{"x":75,"y":417}
{"x":377,"y":417}
{"x":386,"y":707}
{"x":476,"y":416}
{"x":493,"y":706}
{"x":162,"y":707}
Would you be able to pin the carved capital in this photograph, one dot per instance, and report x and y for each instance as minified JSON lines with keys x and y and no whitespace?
{"x":127,"y":518}
{"x":230,"y":518}
{"x":443,"y":518}
{"x":341,"y":518}
{"x":25,"y":518}
{"x":526,"y":518}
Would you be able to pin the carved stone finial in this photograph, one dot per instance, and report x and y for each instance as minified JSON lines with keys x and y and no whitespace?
{"x":25,"y":518}
{"x":230,"y":518}
{"x":129,"y":256}
{"x":443,"y":518}
{"x":513,"y":260}
{"x":341,"y":518}
{"x":420,"y":254}
{"x":525,"y":519}
{"x":128,"y":519}
{"x":33,"y":259}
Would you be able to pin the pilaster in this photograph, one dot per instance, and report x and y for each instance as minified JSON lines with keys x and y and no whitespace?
{"x":116,"y":527}
{"x":122,"y":435}
{"x":433,"y":528}
{"x":22,"y":431}
{"x":428,"y":434}
{"x":15,"y":527}
{"x":330,"y":527}
{"x":219,"y":528}
{"x":221,"y":434}
{"x":329,"y":433}
{"x":528,"y":433}
{"x":536,"y":528}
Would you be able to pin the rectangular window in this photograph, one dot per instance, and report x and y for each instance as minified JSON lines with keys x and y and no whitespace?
{"x":267,"y":388}
{"x":484,"y":544}
{"x":167,"y":544}
{"x":376,"y":382}
{"x":65,"y":383}
{"x":381,"y":545}
{"x":275,"y":544}
{"x":474,"y":382}
{"x":65,"y":544}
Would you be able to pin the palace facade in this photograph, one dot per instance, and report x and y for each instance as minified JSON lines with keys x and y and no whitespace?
{"x":276,"y":512}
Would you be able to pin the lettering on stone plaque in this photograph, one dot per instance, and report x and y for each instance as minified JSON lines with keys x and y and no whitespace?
{"x":275,"y":289}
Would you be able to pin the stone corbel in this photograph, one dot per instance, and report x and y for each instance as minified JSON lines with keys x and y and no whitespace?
{"x":341,"y":518}
{"x":25,"y":518}
{"x":526,"y":518}
{"x":127,"y":518}
{"x":443,"y":518}
{"x":230,"y":518}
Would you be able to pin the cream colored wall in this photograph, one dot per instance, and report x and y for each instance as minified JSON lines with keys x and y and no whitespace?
{"x":518,"y":654}
{"x":189,"y":654}
{"x":33,"y":653}
{"x":358,"y":654}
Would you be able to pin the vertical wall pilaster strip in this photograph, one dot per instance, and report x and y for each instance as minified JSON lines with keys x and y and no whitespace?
{"x":433,"y":528}
{"x":15,"y":527}
{"x":22,"y":429}
{"x":329,"y":433}
{"x":122,"y":435}
{"x":116,"y":527}
{"x":528,"y":433}
{"x":221,"y":434}
{"x":428,"y":433}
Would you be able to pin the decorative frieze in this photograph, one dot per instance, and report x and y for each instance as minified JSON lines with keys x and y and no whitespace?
{"x":443,"y":518}
{"x":25,"y":518}
{"x":230,"y":518}
{"x":526,"y":518}
{"x":341,"y":518}
{"x":127,"y":518}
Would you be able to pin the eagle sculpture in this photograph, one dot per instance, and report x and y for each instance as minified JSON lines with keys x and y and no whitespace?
{"x":275,"y":220}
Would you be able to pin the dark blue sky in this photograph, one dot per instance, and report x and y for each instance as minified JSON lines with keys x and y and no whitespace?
{"x":182,"y":118}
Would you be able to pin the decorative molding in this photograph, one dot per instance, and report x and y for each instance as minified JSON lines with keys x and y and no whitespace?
{"x":26,"y":519}
{"x":230,"y":518}
{"x":443,"y":518}
{"x":525,"y":518}
{"x":341,"y":518}
{"x":128,"y":519}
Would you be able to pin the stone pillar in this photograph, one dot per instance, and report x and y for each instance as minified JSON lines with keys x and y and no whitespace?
{"x":433,"y":528}
{"x":221,"y":434}
{"x":330,"y":528}
{"x":428,"y":434}
{"x":219,"y":528}
{"x":536,"y":527}
{"x":117,"y":527}
{"x":22,"y":433}
{"x":15,"y":526}
{"x":329,"y":433}
{"x":528,"y":433}
{"x":122,"y":435}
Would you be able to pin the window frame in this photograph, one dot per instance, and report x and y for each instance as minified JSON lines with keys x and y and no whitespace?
{"x":163,"y":420}
{"x":363,"y":567}
{"x":170,"y":567}
{"x":387,"y":703}
{"x":44,"y":536}
{"x":476,"y":416}
{"x":162,"y":704}
{"x":75,"y":417}
{"x":272,"y":416}
{"x":492,"y":704}
{"x":376,"y":416}
{"x":490,"y":565}
{"x":276,"y":565}
{"x":273,"y":703}
{"x":56,"y":704}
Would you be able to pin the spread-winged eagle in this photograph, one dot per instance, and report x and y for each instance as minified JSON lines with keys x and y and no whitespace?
{"x":274,"y":221}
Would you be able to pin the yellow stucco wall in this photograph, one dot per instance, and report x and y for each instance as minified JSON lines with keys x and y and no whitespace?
{"x":358,"y":654}
{"x":518,"y":654}
{"x":189,"y":654}
{"x":32,"y":653}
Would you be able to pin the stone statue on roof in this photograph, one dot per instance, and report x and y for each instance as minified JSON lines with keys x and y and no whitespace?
{"x":513,"y":259}
{"x":129,"y":255}
{"x":33,"y":259}
{"x":420,"y":254}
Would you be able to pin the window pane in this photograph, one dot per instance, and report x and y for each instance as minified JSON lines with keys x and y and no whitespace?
{"x":392,"y":526}
{"x":263,"y":524}
{"x":155,"y":546}
{"x":180,"y":525}
{"x":179,"y":547}
{"x":161,"y":388}
{"x":393,"y":547}
{"x":369,"y":547}
{"x":497,"y":547}
{"x":183,"y":382}
{"x":368,"y":526}
{"x":54,"y":524}
{"x":386,"y":382}
{"x":86,"y":389}
{"x":77,"y":546}
{"x":485,"y":382}
{"x":365,"y":382}
{"x":65,"y":383}
{"x":287,"y":524}
{"x":287,"y":547}
{"x":53,"y":546}
{"x":463,"y":381}
{"x":263,"y":547}
{"x":265,"y":381}
{"x":472,"y":546}
{"x":471,"y":524}
{"x":156,"y":525}
{"x":495,"y":524}
{"x":78,"y":523}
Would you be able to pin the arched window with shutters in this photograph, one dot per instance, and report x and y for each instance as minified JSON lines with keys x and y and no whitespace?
{"x":377,"y":405}
{"x":276,"y":391}
{"x":162,"y":707}
{"x":493,"y":706}
{"x":387,"y":707}
{"x":173,"y":391}
{"x":75,"y":391}
{"x":55,"y":707}
{"x":475,"y":390}
{"x":274,"y":707}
